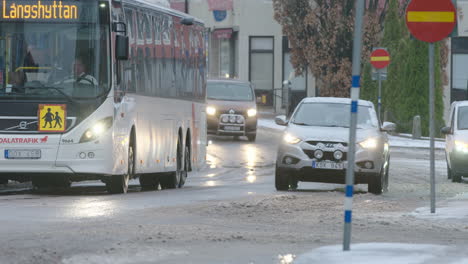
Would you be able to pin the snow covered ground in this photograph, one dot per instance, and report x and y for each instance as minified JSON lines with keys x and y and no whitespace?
{"x":455,"y":208}
{"x":383,"y":253}
{"x":395,"y":141}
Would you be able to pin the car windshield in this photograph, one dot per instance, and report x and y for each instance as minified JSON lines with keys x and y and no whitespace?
{"x":333,"y":115}
{"x":463,"y":118}
{"x":229,"y":91}
{"x":65,"y":55}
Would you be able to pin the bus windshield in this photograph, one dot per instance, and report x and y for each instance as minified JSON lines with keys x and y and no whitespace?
{"x":50,"y":50}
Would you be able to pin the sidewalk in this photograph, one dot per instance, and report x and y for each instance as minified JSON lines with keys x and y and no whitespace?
{"x":394,"y":141}
{"x":453,"y":210}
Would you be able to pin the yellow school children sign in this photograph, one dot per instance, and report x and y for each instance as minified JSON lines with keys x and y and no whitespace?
{"x":52,"y":117}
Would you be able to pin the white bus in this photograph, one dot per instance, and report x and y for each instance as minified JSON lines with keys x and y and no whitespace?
{"x":101,"y":90}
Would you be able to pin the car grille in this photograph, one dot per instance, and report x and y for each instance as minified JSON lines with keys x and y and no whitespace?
{"x":327,"y":155}
{"x":327,"y":143}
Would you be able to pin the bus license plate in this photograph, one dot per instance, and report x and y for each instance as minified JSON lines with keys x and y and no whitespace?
{"x":327,"y":165}
{"x":22,"y":154}
{"x":232,"y":128}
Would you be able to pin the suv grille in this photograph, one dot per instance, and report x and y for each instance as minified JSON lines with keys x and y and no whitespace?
{"x":327,"y":155}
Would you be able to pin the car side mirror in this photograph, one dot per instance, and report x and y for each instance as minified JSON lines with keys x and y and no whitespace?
{"x":281,"y":120}
{"x":388,"y":127}
{"x":121,"y":47}
{"x":446,"y":130}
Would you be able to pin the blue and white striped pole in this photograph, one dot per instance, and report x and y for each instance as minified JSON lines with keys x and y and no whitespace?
{"x":357,"y":44}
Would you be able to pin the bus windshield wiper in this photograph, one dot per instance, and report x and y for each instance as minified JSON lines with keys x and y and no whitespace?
{"x":300,"y":124}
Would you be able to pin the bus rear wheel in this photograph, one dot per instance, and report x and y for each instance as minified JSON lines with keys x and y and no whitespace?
{"x":149,"y":181}
{"x":119,"y":183}
{"x":177,"y":179}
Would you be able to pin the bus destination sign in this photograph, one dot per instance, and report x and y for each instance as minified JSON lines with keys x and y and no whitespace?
{"x":39,"y":10}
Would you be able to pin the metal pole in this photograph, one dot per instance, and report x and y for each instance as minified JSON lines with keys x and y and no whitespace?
{"x":431,"y":123}
{"x":356,"y":71}
{"x":379,"y":103}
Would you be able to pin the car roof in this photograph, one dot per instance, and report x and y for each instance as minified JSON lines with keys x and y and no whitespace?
{"x":226,"y":80}
{"x":460,"y":103}
{"x":335,"y":100}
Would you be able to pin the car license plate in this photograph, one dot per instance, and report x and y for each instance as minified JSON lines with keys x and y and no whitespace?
{"x":327,"y":165}
{"x":22,"y":154}
{"x":232,"y":128}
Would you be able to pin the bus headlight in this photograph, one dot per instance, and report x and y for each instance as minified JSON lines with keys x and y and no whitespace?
{"x":210,"y":110}
{"x":96,"y":130}
{"x":252,"y":112}
{"x":370,"y":143}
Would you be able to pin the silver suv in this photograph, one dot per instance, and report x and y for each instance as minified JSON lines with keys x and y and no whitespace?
{"x":456,"y":142}
{"x":315,"y":145}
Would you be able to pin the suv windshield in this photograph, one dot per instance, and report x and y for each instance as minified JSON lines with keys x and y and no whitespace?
{"x":229,"y":91}
{"x":54,"y":51}
{"x":333,"y":115}
{"x":463,"y":118}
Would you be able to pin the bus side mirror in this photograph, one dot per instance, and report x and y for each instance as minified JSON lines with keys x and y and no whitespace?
{"x":121,"y":47}
{"x":446,"y":130}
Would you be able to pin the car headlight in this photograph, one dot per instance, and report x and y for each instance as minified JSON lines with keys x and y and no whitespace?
{"x":370,"y":143}
{"x":211,"y":110}
{"x":96,"y":130}
{"x":290,"y":139}
{"x":461,"y":146}
{"x":252,"y":112}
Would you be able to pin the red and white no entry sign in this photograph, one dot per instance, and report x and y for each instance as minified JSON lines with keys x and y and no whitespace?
{"x":380,"y":58}
{"x":431,"y":20}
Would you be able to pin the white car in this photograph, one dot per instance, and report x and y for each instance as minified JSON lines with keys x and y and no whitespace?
{"x":456,"y":146}
{"x":315,"y":145}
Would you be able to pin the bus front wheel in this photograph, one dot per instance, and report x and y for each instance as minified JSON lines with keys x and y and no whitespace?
{"x":119,"y":183}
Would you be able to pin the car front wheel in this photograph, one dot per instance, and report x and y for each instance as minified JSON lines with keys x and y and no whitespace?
{"x":284,"y":181}
{"x":375,"y":185}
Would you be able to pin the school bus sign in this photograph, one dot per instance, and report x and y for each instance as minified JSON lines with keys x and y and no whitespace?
{"x":52,"y":117}
{"x":38,"y":10}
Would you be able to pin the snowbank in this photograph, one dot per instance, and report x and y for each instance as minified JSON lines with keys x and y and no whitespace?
{"x":454,"y":208}
{"x":399,"y":142}
{"x":382,"y":253}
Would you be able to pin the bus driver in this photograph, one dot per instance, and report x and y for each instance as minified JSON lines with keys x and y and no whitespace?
{"x":80,"y":70}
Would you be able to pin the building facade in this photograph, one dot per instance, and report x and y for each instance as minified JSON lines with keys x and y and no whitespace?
{"x":245,"y":42}
{"x":457,"y":68}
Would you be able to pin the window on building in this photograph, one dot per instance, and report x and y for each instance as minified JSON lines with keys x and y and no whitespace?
{"x":459,"y":69}
{"x":261,"y":68}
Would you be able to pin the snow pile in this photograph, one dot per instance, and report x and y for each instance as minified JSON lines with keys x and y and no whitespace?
{"x":382,"y":253}
{"x":404,"y":142}
{"x":454,"y":208}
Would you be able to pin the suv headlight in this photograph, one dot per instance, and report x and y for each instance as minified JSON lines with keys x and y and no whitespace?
{"x":290,"y":139}
{"x":97,"y":130}
{"x":461,"y":146}
{"x":252,"y":112}
{"x":210,"y":110}
{"x":370,"y":143}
